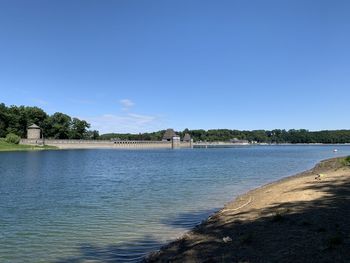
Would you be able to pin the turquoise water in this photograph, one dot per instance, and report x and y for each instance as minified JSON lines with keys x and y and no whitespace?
{"x":116,"y":205}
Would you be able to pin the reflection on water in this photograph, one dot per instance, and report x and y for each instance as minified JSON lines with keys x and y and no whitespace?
{"x":116,"y":206}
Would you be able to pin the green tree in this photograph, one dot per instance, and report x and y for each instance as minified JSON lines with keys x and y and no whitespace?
{"x":12,"y":138}
{"x":3,"y":120}
{"x":91,"y":135}
{"x":57,"y":126}
{"x":17,"y":121}
{"x":35,"y":115}
{"x":78,"y":129}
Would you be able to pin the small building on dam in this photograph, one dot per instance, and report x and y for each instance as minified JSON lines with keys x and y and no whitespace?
{"x":34,"y":132}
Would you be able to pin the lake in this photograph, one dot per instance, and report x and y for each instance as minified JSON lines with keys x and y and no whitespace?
{"x":118,"y":205}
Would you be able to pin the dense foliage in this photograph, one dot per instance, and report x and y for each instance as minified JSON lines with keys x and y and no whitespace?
{"x":12,"y":138}
{"x":16,"y":119}
{"x":260,"y":136}
{"x":274,"y":136}
{"x":347,"y":161}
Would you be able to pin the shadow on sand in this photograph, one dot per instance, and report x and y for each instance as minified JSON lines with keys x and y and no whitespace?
{"x":304,"y":231}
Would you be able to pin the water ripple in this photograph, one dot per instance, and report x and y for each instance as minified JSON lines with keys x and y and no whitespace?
{"x":117,"y":206}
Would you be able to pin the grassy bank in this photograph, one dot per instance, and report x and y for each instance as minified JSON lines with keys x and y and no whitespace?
{"x":6,"y":147}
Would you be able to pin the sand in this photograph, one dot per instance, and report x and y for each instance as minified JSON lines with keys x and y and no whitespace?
{"x":302,"y":218}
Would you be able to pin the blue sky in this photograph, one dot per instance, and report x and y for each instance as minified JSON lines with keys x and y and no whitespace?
{"x":135,"y":66}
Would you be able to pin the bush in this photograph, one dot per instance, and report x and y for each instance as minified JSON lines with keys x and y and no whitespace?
{"x":346,"y":161}
{"x":12,"y":138}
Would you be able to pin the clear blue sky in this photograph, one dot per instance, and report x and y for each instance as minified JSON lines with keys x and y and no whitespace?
{"x":147,"y":65}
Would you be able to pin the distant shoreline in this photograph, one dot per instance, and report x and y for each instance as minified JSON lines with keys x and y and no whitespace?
{"x":297,"y":218}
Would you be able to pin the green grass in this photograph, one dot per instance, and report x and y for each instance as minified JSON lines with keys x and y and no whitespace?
{"x":346,"y":161}
{"x":6,"y":147}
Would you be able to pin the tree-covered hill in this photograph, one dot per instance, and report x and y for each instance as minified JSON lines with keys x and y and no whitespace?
{"x":273,"y":136}
{"x":260,"y":136}
{"x":16,"y":119}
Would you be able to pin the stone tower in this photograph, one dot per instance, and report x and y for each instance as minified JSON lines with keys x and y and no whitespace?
{"x":33,"y":132}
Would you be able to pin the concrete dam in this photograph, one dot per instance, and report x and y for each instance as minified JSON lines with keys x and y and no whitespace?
{"x":109,"y":144}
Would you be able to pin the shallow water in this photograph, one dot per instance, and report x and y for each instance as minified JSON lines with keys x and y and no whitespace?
{"x":118,"y":205}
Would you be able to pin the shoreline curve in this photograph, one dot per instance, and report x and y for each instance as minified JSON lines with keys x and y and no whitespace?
{"x":298,"y":218}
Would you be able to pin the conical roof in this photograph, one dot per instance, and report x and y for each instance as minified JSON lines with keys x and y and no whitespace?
{"x":34,"y":126}
{"x":187,"y":137}
{"x":169,"y":134}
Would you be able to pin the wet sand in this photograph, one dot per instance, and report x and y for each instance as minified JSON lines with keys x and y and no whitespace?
{"x":302,"y":218}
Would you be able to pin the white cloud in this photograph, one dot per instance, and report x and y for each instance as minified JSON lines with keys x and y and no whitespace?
{"x":126,"y":104}
{"x":40,"y":101}
{"x":126,"y":123}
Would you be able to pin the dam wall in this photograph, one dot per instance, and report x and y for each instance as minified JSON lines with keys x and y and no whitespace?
{"x":107,"y":144}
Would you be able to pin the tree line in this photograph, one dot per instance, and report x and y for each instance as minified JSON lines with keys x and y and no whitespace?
{"x":16,"y":119}
{"x":151,"y":136}
{"x":273,"y":136}
{"x":259,"y":136}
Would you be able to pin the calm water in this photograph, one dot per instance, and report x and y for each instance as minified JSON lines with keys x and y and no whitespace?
{"x":116,"y":206}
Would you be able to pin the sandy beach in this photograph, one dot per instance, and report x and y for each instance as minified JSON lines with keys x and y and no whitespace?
{"x":302,"y":218}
